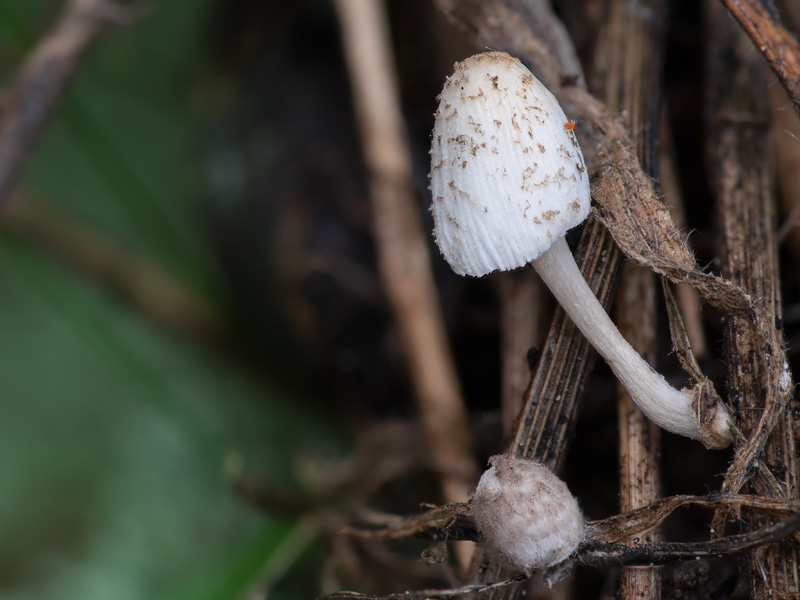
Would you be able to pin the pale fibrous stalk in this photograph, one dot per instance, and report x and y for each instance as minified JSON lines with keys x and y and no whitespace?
{"x":671,"y":409}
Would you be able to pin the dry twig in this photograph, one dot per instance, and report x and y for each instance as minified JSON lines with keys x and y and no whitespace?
{"x":141,"y":283}
{"x":452,"y":520}
{"x":43,"y":77}
{"x":780,"y":49}
{"x":600,"y":546}
{"x":403,"y":257}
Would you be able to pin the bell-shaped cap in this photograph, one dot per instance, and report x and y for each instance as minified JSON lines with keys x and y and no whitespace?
{"x":507,"y":174}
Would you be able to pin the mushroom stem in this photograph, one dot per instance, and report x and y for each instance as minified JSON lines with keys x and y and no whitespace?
{"x":667,"y":407}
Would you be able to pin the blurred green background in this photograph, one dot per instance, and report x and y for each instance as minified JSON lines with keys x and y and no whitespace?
{"x":114,"y":430}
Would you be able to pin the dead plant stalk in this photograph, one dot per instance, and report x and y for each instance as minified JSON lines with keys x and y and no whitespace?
{"x":403,"y":257}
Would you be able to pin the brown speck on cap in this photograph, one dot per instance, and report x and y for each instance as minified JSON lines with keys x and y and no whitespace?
{"x":529,"y":171}
{"x":474,"y":96}
{"x":475,"y":125}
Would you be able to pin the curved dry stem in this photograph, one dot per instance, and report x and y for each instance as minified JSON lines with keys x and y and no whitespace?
{"x":403,"y":257}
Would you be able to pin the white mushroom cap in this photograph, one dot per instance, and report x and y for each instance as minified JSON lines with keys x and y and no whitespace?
{"x":507,"y":176}
{"x":525,"y":514}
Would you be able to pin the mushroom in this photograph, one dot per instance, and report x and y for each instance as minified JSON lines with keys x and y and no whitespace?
{"x":508,"y":181}
{"x":525,"y":514}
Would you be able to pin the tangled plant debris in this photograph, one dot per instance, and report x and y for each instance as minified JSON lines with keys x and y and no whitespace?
{"x":628,"y":206}
{"x":555,"y":538}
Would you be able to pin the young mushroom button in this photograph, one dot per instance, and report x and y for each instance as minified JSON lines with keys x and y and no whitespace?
{"x":508,"y":181}
{"x":525,"y":514}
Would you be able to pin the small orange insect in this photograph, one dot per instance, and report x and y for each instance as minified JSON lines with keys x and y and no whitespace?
{"x":570,"y":125}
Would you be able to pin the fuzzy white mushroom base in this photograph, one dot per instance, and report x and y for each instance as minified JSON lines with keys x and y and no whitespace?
{"x":525,"y":514}
{"x":508,"y":180}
